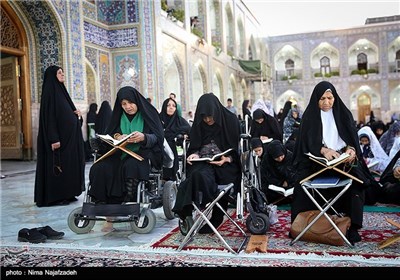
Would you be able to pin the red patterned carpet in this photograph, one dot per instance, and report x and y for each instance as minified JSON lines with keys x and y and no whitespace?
{"x":206,"y":251}
{"x":375,"y":230}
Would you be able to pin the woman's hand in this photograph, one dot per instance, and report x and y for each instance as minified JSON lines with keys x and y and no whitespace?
{"x":352,"y":155}
{"x":78,"y":113}
{"x":192,"y":156}
{"x":329,"y":154}
{"x":396,"y":172}
{"x":222,"y":161}
{"x":55,"y":146}
{"x":137,"y":137}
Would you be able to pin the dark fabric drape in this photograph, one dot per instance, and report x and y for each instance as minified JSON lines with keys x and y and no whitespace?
{"x":58,"y":123}
{"x":269,"y":127}
{"x":174,"y":125}
{"x":310,"y":140}
{"x":202,"y":177}
{"x":108,"y":177}
{"x":103,"y":118}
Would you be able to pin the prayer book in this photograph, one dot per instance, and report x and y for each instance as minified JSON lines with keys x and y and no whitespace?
{"x":325,"y":181}
{"x":267,"y":140}
{"x":372,"y":163}
{"x":329,"y":162}
{"x":214,"y":157}
{"x":282,"y":190}
{"x":110,"y":140}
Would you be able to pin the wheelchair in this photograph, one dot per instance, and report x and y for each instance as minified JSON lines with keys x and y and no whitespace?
{"x":151,"y":194}
{"x":251,"y":198}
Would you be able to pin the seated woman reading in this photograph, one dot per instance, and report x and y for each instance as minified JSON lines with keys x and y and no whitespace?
{"x":215,"y":129}
{"x":114,"y":179}
{"x":277,"y":169}
{"x":327,"y":129}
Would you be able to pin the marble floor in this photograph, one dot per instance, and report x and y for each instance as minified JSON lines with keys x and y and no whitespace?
{"x":19,"y":211}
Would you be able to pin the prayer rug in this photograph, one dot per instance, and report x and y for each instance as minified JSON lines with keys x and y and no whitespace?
{"x":375,"y":230}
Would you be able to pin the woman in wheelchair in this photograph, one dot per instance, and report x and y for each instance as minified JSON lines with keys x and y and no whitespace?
{"x":175,"y":129}
{"x":327,"y":129}
{"x":114,"y":179}
{"x":215,"y":129}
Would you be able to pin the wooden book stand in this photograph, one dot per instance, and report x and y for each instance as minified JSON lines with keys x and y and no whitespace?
{"x":392,"y":239}
{"x":121,"y":147}
{"x":327,"y":167}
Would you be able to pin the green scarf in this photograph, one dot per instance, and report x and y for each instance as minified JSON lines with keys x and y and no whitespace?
{"x":127,"y":127}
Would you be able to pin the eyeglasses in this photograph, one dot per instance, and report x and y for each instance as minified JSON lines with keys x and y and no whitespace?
{"x":57,"y":170}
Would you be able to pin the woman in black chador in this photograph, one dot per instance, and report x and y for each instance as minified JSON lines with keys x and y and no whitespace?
{"x":277,"y":169}
{"x":114,"y":179}
{"x":103,"y":118}
{"x":215,"y":129}
{"x":327,"y":129}
{"x":60,"y":169}
{"x":265,"y":126}
{"x":175,"y":127}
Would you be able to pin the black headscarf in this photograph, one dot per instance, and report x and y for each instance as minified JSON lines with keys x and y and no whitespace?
{"x":103,"y":118}
{"x":209,"y":105}
{"x":58,"y":123}
{"x":310,"y":132}
{"x":173,"y":125}
{"x":149,"y":114}
{"x":269,"y":127}
{"x":92,"y":113}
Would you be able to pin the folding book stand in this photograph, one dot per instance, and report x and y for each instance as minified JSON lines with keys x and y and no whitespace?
{"x":328,"y":204}
{"x":392,"y":239}
{"x":121,"y":147}
{"x":202,"y":217}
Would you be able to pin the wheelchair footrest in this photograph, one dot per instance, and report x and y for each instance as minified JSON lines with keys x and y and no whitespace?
{"x":91,"y":209}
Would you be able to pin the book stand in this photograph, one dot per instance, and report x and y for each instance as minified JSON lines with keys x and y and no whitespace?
{"x":327,"y":204}
{"x":327,"y":167}
{"x":122,"y":147}
{"x":391,"y":239}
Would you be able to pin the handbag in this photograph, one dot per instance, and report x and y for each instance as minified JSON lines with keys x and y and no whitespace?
{"x":168,"y":155}
{"x":321,"y":231}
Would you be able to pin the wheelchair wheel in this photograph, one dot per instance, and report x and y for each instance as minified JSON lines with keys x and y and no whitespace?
{"x":148,"y":224}
{"x":185,"y":225}
{"x":260,"y":226}
{"x":169,"y":198}
{"x":77,"y":224}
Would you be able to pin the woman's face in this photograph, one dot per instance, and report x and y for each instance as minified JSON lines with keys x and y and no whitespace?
{"x":129,"y":107}
{"x":209,"y":120}
{"x":60,"y":75}
{"x":295,"y":114}
{"x":171,"y":108}
{"x":260,"y":120}
{"x":364,"y":141}
{"x":280,"y":158}
{"x":258,"y":151}
{"x":326,"y":101}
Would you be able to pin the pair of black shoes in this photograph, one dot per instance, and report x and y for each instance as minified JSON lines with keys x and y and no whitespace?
{"x":39,"y":235}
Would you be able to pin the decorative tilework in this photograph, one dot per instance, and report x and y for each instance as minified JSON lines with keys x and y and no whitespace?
{"x":91,"y":55}
{"x":104,"y":68}
{"x":47,"y":37}
{"x":132,"y":11}
{"x":60,"y":6}
{"x":148,"y":53}
{"x":111,"y":12}
{"x":89,"y":10}
{"x":127,"y":70}
{"x":78,"y":88}
{"x":121,"y":38}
